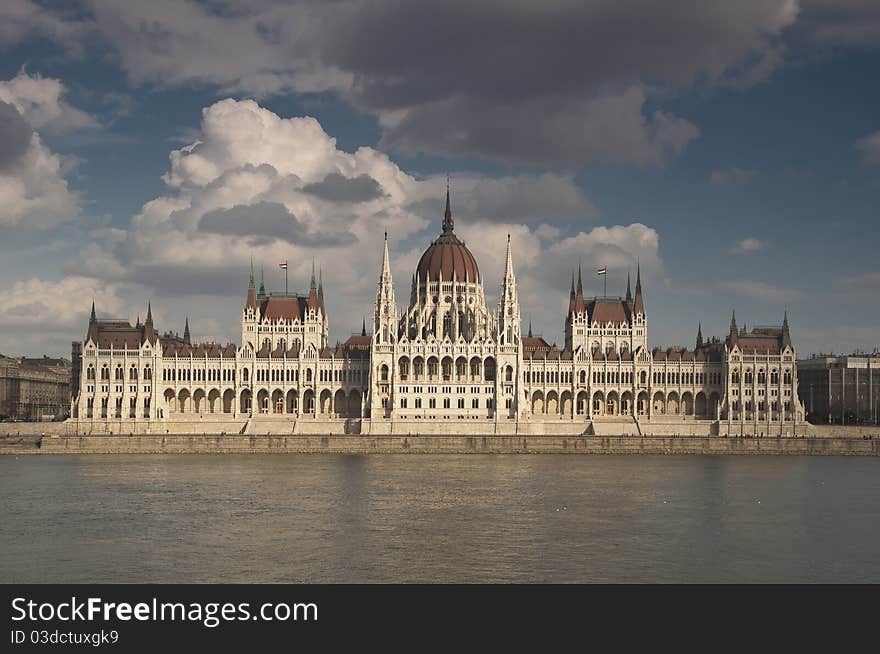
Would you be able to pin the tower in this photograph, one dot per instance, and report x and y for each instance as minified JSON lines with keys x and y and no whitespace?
{"x":383,"y":344}
{"x":508,"y":319}
{"x":509,"y":342}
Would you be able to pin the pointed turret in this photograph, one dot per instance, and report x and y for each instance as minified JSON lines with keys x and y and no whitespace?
{"x":251,"y":302}
{"x":530,"y":329}
{"x":699,"y":336}
{"x":137,"y":324}
{"x":186,"y":338}
{"x":571,"y":296}
{"x":734,"y":330}
{"x":786,"y":335}
{"x":448,"y":222}
{"x":92,"y":333}
{"x":639,"y":302}
{"x":508,"y":303}
{"x":579,"y":304}
{"x":629,"y":297}
{"x":385,"y":318}
{"x":321,"y":289}
{"x":262,"y":281}
{"x":149,"y":330}
{"x":364,"y":327}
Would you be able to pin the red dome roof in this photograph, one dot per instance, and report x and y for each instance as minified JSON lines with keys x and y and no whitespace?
{"x":448,"y":256}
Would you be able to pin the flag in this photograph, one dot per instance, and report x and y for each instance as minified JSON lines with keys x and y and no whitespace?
{"x":283,"y":265}
{"x":600,"y":271}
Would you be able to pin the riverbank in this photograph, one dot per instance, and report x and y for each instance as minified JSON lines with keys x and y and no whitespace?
{"x":440,"y":444}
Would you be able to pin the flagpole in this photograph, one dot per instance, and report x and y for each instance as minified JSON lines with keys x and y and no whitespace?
{"x":285,"y":281}
{"x":605,"y":281}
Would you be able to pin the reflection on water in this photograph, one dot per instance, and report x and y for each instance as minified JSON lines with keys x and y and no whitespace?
{"x":411,"y":518}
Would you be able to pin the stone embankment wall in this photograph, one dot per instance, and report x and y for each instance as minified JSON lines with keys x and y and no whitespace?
{"x":187,"y":443}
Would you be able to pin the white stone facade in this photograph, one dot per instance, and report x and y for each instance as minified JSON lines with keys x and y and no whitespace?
{"x":446,"y":363}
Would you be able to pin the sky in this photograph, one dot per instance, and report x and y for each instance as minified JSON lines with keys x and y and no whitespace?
{"x":150,"y":151}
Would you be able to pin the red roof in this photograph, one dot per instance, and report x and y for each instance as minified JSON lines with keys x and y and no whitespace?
{"x":605,"y":310}
{"x":447,"y":257}
{"x":283,"y":308}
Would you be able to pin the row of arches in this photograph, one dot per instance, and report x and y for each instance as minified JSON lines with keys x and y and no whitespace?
{"x":614,"y":403}
{"x":339,"y":404}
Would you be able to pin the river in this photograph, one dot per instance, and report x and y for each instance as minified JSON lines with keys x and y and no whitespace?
{"x":444,"y":518}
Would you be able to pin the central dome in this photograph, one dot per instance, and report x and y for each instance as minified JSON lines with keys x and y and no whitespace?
{"x":448,"y":256}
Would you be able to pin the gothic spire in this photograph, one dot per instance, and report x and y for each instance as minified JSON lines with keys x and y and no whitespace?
{"x":639,"y":303}
{"x":448,"y":222}
{"x":93,"y":317}
{"x":786,"y":334}
{"x":262,"y":280}
{"x":186,"y":338}
{"x":251,"y":283}
{"x":313,"y":284}
{"x":508,"y":261}
{"x":699,"y":335}
{"x":580,"y":286}
{"x":629,"y":296}
{"x":364,"y":327}
{"x":149,"y":320}
{"x":734,"y":330}
{"x":530,"y":329}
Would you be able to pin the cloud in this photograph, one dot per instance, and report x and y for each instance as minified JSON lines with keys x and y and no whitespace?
{"x":761,"y":291}
{"x":549,"y":82}
{"x":15,"y":136}
{"x":65,"y":303}
{"x":34,"y":193}
{"x":869,"y":280}
{"x":869,"y":147}
{"x":245,"y":187}
{"x":265,"y":222}
{"x":846,"y":23}
{"x":748,"y":245}
{"x":40,"y":100}
{"x":732,"y":177}
{"x":337,"y":188}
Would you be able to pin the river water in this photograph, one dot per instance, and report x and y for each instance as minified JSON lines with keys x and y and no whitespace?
{"x":448,"y":518}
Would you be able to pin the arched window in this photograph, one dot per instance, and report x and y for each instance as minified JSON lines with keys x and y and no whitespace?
{"x":383,"y":372}
{"x":133,"y":373}
{"x":583,"y":376}
{"x":748,"y":377}
{"x":508,"y":374}
{"x":90,"y":372}
{"x":643,"y":377}
{"x":308,"y":375}
{"x":105,"y":372}
{"x":244,"y":374}
{"x":120,"y":375}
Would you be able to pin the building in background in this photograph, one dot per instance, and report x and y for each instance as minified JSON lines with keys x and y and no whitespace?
{"x":841,"y":389}
{"x":34,"y":388}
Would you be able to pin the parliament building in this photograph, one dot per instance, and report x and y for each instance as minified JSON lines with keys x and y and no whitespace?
{"x":445,"y":363}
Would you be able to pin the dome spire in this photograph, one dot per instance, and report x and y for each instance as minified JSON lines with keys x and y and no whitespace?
{"x":448,"y":222}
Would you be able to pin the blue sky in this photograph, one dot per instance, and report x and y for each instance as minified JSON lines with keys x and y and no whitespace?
{"x":737,"y":158}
